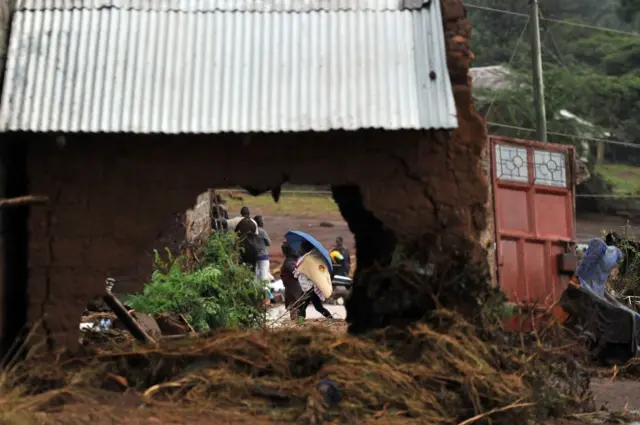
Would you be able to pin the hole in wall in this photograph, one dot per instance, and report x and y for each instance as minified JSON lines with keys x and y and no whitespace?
{"x":375,"y":246}
{"x":310,"y":209}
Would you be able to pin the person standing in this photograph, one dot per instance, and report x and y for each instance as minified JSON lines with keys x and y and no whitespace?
{"x":219,"y":213}
{"x":292,"y":289}
{"x":343,"y":264}
{"x":262,"y":268}
{"x":245,"y":218}
{"x":250,"y":242}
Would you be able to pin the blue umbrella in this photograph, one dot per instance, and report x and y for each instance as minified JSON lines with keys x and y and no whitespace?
{"x":295,"y":237}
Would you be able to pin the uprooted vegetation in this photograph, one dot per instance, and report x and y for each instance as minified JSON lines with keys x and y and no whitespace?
{"x":439,"y":372}
{"x":626,"y":283}
{"x":209,"y":288}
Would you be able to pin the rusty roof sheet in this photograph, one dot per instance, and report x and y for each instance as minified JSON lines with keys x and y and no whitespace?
{"x":214,"y":66}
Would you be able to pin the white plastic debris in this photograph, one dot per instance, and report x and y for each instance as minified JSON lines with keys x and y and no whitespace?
{"x":101,"y":325}
{"x":277,"y":286}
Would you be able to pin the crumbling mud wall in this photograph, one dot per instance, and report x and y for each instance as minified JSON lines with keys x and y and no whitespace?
{"x":114,"y":197}
{"x":488,"y":236}
{"x":436,"y":206}
{"x":198,"y":219}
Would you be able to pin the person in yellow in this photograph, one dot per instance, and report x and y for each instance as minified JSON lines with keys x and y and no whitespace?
{"x":336,"y":258}
{"x":341,"y":258}
{"x":312,"y":271}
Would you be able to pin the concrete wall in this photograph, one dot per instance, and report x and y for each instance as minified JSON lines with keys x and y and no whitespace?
{"x":114,"y":198}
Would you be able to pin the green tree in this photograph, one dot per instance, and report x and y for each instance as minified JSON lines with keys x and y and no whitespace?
{"x":629,"y":10}
{"x":594,"y":74}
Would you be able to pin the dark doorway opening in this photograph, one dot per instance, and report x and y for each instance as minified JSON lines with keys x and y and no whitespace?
{"x":14,"y":239}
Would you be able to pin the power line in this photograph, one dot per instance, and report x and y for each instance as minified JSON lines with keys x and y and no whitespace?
{"x":557,"y":21}
{"x":328,"y":193}
{"x":555,"y":45}
{"x":513,"y":55}
{"x":606,"y":196}
{"x":572,"y":136}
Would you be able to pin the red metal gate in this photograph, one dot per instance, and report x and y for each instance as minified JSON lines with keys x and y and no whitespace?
{"x":533,"y":192}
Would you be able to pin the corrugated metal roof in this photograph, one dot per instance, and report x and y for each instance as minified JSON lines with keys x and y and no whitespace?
{"x":111,"y":69}
{"x":222,"y":5}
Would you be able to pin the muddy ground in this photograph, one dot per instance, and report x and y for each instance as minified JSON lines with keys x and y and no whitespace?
{"x":588,"y":226}
{"x":326,"y":231}
{"x":617,"y":395}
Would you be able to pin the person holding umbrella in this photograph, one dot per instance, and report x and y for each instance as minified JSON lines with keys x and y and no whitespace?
{"x":307,"y":274}
{"x":313,"y":271}
{"x":292,"y":289}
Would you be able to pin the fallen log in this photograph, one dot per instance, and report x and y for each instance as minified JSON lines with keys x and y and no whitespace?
{"x":127,"y":319}
{"x":23,"y":200}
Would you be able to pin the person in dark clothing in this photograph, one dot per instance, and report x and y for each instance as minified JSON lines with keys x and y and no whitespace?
{"x":219,"y":214}
{"x":343,"y":267}
{"x":250,"y":242}
{"x":317,"y":304}
{"x":292,"y":289}
{"x":219,"y":209}
{"x":246,"y":224}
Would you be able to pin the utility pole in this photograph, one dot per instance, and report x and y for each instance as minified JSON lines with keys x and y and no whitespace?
{"x":538,"y":82}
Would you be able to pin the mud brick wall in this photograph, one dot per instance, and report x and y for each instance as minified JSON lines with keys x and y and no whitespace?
{"x":447,"y":212}
{"x":488,"y":236}
{"x":114,"y":198}
{"x":198,"y":219}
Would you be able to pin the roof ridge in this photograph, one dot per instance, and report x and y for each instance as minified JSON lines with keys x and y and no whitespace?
{"x":237,"y":6}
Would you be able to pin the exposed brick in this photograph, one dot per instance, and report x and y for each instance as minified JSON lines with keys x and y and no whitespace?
{"x":39,"y":253}
{"x":133,"y":224}
{"x":39,"y":220}
{"x":72,"y":283}
{"x":452,"y":10}
{"x":68,"y":251}
{"x":107,"y":253}
{"x":37,"y":287}
{"x":80,"y":221}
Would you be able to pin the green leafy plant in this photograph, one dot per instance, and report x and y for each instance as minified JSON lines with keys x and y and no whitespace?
{"x":214,"y":292}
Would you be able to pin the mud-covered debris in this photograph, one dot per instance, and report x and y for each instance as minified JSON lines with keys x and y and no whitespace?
{"x":145,"y":321}
{"x":442,"y":375}
{"x":171,"y":325}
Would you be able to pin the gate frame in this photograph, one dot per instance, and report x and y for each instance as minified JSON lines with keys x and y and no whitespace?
{"x":530,"y":187}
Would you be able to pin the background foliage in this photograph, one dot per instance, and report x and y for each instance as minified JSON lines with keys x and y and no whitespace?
{"x":592,"y":73}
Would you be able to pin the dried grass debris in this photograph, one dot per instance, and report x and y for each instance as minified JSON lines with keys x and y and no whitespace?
{"x":437,"y":375}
